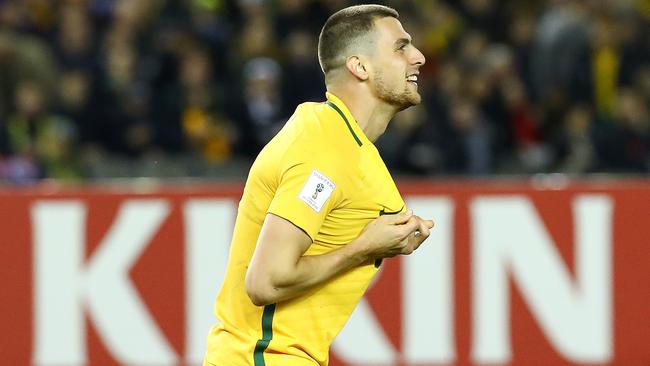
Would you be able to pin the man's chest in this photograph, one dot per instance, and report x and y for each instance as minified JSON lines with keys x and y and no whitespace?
{"x":368,"y":194}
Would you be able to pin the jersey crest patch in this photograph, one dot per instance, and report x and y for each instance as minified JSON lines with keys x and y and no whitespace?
{"x":317,"y":190}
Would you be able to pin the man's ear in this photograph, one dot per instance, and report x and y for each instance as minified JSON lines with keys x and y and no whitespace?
{"x":356,"y":67}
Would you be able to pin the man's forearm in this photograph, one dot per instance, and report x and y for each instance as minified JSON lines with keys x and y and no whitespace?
{"x":309,"y":271}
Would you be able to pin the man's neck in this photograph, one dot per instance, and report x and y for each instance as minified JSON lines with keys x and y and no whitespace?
{"x":371,"y":115}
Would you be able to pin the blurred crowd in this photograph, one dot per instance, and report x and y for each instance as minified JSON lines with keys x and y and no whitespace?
{"x":509,"y":87}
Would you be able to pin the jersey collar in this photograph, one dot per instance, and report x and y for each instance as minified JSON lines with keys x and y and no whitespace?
{"x":357,"y":133}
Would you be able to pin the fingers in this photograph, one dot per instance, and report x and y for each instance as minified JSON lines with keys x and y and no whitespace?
{"x":420,"y":235}
{"x":410,"y":227}
{"x":400,"y":218}
{"x":417,"y":225}
{"x":423,"y":229}
{"x":411,"y":231}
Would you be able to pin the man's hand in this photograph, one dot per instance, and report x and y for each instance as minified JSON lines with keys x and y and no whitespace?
{"x":391,"y":235}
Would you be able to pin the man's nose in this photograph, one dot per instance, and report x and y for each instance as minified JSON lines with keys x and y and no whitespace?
{"x":418,"y":57}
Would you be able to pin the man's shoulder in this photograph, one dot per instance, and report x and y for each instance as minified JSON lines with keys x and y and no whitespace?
{"x":310,"y":126}
{"x":313,"y":133}
{"x":308,"y":111}
{"x":321,"y":124}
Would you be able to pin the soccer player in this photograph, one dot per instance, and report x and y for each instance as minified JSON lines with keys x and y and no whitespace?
{"x":320,"y":210}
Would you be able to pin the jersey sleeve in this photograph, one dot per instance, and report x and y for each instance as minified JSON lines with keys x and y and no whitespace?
{"x":306,"y":193}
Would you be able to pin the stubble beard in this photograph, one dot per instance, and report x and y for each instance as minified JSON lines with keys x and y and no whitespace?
{"x":401,"y":100}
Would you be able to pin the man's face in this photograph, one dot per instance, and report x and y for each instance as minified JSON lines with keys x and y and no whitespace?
{"x":395,"y":63}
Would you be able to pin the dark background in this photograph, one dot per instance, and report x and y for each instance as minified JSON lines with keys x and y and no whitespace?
{"x":94,"y":89}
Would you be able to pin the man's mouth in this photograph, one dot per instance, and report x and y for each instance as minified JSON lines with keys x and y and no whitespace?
{"x":413,"y":78}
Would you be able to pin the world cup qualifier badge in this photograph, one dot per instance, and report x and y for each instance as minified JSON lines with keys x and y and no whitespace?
{"x":317,"y":190}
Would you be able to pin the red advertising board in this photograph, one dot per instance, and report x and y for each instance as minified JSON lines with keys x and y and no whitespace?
{"x":520,"y":273}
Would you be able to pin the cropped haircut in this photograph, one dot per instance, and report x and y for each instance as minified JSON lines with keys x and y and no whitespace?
{"x":344,"y":28}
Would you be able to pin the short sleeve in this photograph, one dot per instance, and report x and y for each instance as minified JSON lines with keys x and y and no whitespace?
{"x":306,"y":193}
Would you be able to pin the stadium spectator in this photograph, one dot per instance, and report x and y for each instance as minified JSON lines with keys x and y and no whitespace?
{"x":507,"y":87}
{"x":43,"y":142}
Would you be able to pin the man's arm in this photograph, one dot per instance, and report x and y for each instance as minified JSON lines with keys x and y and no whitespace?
{"x":279,"y":270}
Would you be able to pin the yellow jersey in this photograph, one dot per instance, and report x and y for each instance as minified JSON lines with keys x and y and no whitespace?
{"x":321,"y":173}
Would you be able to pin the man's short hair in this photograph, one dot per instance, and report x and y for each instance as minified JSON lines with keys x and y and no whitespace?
{"x":344,"y":28}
